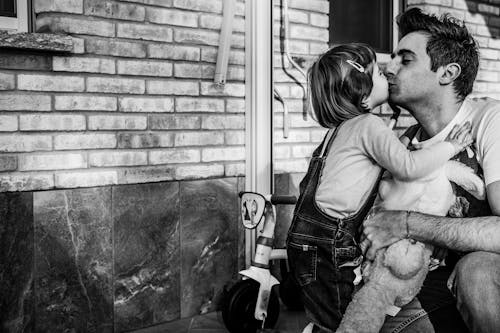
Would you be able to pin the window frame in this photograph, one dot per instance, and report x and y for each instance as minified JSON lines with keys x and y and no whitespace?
{"x":21,"y":23}
{"x":397,"y":7}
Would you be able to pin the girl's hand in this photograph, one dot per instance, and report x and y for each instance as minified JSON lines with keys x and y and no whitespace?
{"x":460,"y":136}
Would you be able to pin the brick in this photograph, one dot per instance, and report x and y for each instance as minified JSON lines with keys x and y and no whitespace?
{"x":115,"y":48}
{"x":483,"y":8}
{"x":69,"y":25}
{"x":144,"y":32}
{"x":85,"y":178}
{"x":57,"y":161}
{"x":223,"y":154}
{"x":489,"y":54}
{"x":474,"y":18}
{"x":198,"y":139}
{"x":172,"y":17}
{"x":26,"y":182}
{"x":187,"y":70}
{"x":199,"y":171}
{"x":494,"y":43}
{"x":233,"y":73}
{"x":321,"y":6}
{"x":7,"y":81}
{"x":229,"y":89}
{"x":145,"y":174}
{"x":160,"y":3}
{"x":8,"y":123}
{"x":145,"y":140}
{"x":223,"y":122}
{"x":24,"y":143}
{"x":85,"y":103}
{"x":303,"y":150}
{"x":171,"y":156}
{"x":318,"y":48}
{"x":51,"y":122}
{"x":78,"y":45}
{"x":234,"y":169}
{"x":289,"y":166}
{"x":81,"y":64}
{"x":17,"y":60}
{"x":172,"y":52}
{"x":318,"y":134}
{"x":236,"y":57}
{"x":8,"y":163}
{"x":281,"y":152}
{"x":213,"y":6}
{"x":308,"y":32}
{"x":117,"y":158}
{"x":235,"y":105}
{"x":84,"y":141}
{"x":214,"y":22}
{"x":143,"y":67}
{"x":161,"y":122}
{"x":320,"y":20}
{"x":65,"y":6}
{"x":146,"y":104}
{"x":109,"y":9}
{"x":293,"y":136}
{"x":117,"y":122}
{"x":50,"y":82}
{"x":234,"y":138}
{"x":202,"y":37}
{"x":487,"y":76}
{"x":199,"y":105}
{"x":172,"y":87}
{"x":115,"y":85}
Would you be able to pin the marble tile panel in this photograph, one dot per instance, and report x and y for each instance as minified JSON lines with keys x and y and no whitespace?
{"x":209,"y":242}
{"x":73,"y":260}
{"x":147,"y":254}
{"x":16,"y":262}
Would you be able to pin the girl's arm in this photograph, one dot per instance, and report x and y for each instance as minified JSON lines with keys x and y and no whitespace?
{"x":380,"y":143}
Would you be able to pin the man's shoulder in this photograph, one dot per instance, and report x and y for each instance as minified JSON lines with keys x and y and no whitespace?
{"x":483,"y":104}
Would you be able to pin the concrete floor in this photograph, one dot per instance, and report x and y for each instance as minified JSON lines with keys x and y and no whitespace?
{"x":288,"y":322}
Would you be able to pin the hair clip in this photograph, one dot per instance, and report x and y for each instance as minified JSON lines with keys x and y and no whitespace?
{"x":354,"y":64}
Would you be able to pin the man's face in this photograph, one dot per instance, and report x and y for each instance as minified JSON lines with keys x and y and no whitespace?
{"x":409,"y":72}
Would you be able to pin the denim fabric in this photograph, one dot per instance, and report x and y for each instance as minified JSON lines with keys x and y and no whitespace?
{"x":318,"y":245}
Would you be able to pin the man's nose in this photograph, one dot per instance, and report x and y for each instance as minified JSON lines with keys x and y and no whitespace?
{"x":390,"y":68}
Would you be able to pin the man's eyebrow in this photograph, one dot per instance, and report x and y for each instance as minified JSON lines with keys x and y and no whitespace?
{"x":402,"y":52}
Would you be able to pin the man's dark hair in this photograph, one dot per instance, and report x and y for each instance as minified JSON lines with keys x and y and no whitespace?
{"x":449,"y":41}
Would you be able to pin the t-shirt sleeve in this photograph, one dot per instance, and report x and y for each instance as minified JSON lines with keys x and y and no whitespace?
{"x":488,"y":141}
{"x":381,"y":144}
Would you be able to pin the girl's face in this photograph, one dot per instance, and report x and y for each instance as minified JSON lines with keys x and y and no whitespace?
{"x":380,"y":90}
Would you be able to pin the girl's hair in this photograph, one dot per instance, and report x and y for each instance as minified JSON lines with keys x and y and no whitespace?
{"x":336,"y":87}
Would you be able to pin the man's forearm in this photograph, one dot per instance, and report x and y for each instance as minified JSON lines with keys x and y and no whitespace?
{"x":462,"y":234}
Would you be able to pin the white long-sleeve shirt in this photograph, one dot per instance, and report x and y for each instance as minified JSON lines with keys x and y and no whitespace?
{"x":362,"y":146}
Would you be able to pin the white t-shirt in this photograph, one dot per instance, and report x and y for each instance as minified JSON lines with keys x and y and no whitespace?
{"x":352,"y":165}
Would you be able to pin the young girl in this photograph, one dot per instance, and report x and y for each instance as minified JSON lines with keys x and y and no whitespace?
{"x":343,"y":176}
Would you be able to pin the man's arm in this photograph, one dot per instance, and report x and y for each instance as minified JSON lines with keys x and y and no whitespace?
{"x":462,"y":234}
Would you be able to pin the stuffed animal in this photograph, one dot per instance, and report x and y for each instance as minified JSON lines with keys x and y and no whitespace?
{"x":396,"y":275}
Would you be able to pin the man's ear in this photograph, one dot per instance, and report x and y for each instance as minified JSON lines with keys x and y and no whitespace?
{"x":366,"y":103}
{"x":449,"y":73}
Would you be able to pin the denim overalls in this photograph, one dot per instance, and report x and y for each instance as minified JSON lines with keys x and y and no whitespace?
{"x":318,"y":245}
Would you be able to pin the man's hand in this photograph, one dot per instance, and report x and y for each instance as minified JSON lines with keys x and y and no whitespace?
{"x":382,"y":229}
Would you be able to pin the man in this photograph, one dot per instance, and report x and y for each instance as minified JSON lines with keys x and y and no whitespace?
{"x":431,"y":73}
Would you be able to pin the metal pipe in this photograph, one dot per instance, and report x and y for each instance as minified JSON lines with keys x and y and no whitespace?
{"x":224,"y":43}
{"x":286,"y":118}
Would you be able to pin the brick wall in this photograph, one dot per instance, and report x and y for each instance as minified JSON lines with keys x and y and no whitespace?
{"x":308,"y":35}
{"x":134,"y":103}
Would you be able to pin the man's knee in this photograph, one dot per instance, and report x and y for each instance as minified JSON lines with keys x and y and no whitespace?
{"x":476,"y":273}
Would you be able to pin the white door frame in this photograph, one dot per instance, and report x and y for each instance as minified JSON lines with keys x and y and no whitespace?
{"x":258,"y":103}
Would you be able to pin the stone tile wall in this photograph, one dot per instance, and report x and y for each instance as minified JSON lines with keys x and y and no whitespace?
{"x":116,"y":258}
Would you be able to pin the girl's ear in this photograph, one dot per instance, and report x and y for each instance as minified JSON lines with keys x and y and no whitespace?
{"x":366,"y":103}
{"x":449,"y":73}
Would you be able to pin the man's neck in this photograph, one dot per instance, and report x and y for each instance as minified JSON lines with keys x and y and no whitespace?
{"x":434,"y":118}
